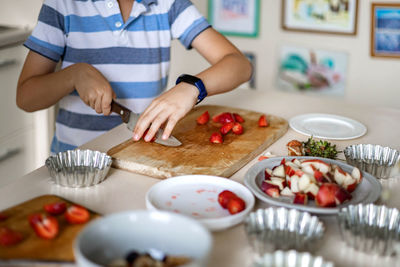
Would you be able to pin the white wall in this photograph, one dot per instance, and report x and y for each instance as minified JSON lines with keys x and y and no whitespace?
{"x":20,"y":12}
{"x":373,"y":81}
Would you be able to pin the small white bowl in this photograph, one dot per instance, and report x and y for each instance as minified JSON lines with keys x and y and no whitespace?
{"x":196,"y":196}
{"x":115,"y":236}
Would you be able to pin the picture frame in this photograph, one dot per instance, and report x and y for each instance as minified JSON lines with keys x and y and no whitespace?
{"x":385,"y":30}
{"x":239,"y":18}
{"x":308,"y":70}
{"x":320,"y":16}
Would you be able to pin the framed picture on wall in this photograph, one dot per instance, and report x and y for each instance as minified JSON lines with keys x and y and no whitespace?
{"x":385,"y":30}
{"x":321,"y":16}
{"x":235,"y":17}
{"x":313,"y":71}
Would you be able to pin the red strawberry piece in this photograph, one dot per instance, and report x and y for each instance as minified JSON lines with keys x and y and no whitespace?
{"x":203,"y":118}
{"x":226,"y":128}
{"x":216,"y":138}
{"x":300,"y":198}
{"x":9,"y":237}
{"x":237,"y":128}
{"x":262,"y":121}
{"x":56,"y":208}
{"x":238,"y":118}
{"x":224,"y":197}
{"x":145,"y":133}
{"x":236,"y":205}
{"x":3,"y":217}
{"x":223,"y":118}
{"x":45,"y":226}
{"x":77,"y":214}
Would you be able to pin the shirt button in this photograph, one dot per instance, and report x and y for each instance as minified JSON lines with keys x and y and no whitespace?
{"x":110,"y":4}
{"x":118,"y":24}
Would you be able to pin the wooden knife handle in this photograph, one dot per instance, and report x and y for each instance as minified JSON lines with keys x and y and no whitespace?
{"x":121,"y":111}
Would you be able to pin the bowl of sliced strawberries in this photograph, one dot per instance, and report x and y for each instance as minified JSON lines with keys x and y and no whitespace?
{"x":316,"y":185}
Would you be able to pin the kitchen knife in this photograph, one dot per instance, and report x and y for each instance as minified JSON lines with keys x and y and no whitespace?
{"x":130,"y":118}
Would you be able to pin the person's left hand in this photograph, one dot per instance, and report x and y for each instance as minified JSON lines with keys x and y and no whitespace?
{"x":168,"y":108}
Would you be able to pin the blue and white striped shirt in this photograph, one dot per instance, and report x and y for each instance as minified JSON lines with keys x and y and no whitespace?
{"x":133,"y":56}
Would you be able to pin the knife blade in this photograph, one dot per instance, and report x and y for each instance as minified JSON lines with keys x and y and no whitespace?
{"x":130,"y":118}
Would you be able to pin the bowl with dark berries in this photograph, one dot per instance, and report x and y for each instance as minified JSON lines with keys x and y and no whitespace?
{"x":312,"y":184}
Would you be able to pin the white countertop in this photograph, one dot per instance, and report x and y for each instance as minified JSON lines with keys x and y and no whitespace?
{"x":124,"y":191}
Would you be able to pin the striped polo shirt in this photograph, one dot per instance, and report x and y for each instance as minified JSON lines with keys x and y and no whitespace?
{"x":134,"y":55}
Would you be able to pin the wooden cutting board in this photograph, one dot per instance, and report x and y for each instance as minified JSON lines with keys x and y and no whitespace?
{"x":198,"y":155}
{"x":59,"y":249}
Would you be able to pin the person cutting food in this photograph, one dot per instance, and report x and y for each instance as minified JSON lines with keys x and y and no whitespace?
{"x":120,"y":50}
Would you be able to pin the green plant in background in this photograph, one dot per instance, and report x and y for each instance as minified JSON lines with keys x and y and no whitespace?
{"x":319,"y":148}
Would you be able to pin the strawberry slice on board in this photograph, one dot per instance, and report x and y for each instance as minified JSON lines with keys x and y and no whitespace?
{"x":226,"y":128}
{"x":203,"y":118}
{"x":224,"y":197}
{"x":237,"y":128}
{"x":9,"y":237}
{"x":238,"y":118}
{"x":216,"y":138}
{"x":56,"y":208}
{"x":3,"y":217}
{"x":262,"y":121}
{"x":236,"y":205}
{"x":223,"y":118}
{"x":45,"y":226}
{"x":76,"y":214}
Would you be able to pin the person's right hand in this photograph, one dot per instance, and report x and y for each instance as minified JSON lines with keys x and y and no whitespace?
{"x":93,"y":88}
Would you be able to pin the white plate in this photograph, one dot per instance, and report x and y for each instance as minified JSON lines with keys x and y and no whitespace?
{"x":368,"y":191}
{"x":197,"y":196}
{"x":327,"y":126}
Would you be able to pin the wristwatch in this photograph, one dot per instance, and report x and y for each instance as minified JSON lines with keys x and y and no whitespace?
{"x":196,"y":82}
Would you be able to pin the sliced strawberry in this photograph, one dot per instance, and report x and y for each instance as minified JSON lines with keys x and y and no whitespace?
{"x":330,"y":195}
{"x":226,"y":128}
{"x":9,"y":237}
{"x":262,"y":121}
{"x":3,"y":217}
{"x":237,"y":128}
{"x":224,"y":118}
{"x":238,"y":118}
{"x":203,"y":118}
{"x":224,"y":197}
{"x":216,"y":138}
{"x":45,"y":226}
{"x":56,"y":208}
{"x":77,"y":214}
{"x":145,"y":133}
{"x":236,"y":205}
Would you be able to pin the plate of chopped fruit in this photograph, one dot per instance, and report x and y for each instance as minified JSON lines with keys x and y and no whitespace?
{"x":216,"y":202}
{"x":312,"y":184}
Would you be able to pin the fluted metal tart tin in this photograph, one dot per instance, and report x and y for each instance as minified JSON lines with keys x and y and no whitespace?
{"x":280,"y":228}
{"x":290,"y":258}
{"x":374,"y":159}
{"x":371,"y":228}
{"x":78,"y":168}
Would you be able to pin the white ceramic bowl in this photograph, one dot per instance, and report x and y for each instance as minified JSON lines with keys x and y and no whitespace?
{"x":114,"y":236}
{"x":196,"y":196}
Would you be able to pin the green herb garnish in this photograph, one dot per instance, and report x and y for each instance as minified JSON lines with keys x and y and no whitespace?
{"x":319,"y":148}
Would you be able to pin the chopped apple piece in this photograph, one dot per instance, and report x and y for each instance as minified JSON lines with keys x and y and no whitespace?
{"x":294,"y":183}
{"x":270,"y":189}
{"x":330,"y":195}
{"x":300,"y":199}
{"x":279,"y":171}
{"x":319,"y":164}
{"x":356,"y":174}
{"x":287,"y":192}
{"x":312,"y":191}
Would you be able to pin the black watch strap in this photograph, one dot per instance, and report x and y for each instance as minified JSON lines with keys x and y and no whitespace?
{"x":196,"y":82}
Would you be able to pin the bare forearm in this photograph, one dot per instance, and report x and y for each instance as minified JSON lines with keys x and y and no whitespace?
{"x":42,"y":91}
{"x":231,"y":71}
